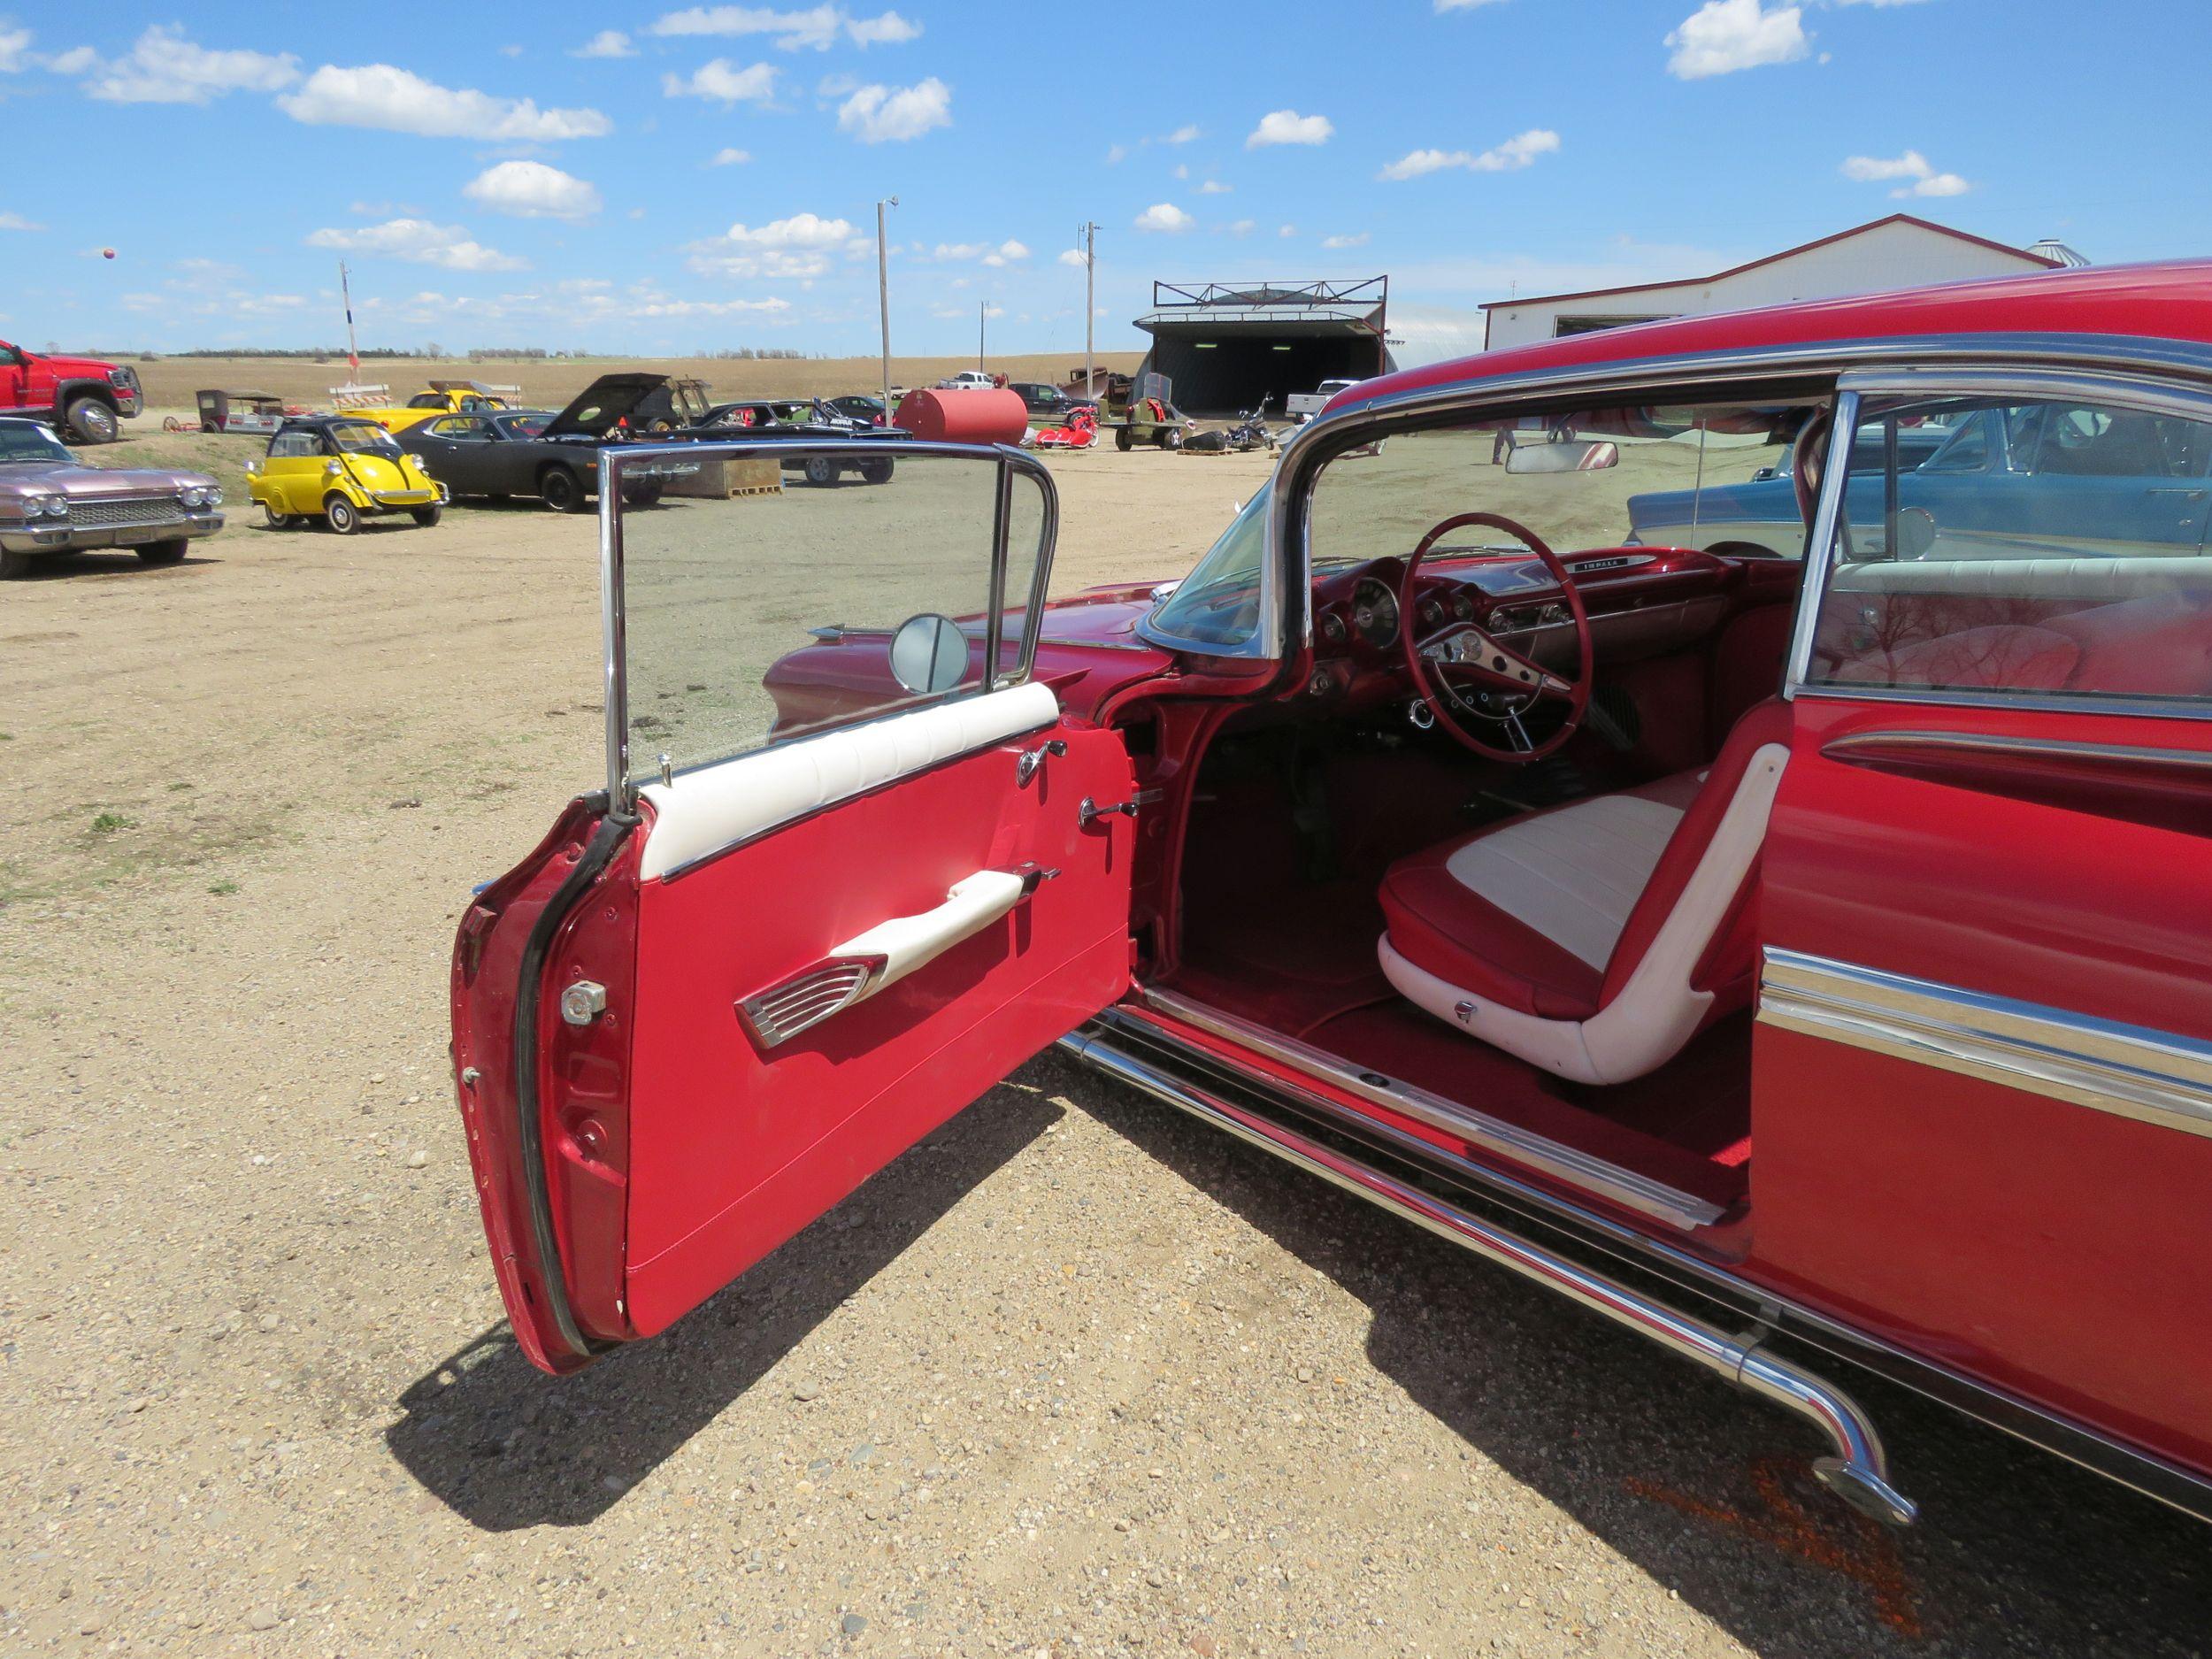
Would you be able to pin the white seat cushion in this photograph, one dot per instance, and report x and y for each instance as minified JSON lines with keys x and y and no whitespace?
{"x":1574,"y":874}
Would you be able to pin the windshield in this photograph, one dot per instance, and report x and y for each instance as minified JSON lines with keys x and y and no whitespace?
{"x":21,"y":443}
{"x":523,"y":426}
{"x":363,"y":436}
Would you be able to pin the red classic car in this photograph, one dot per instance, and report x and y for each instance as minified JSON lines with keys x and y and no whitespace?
{"x":1804,"y":962}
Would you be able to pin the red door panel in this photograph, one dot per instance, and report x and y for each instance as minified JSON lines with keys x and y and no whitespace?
{"x":2058,"y":1250}
{"x":733,"y":1150}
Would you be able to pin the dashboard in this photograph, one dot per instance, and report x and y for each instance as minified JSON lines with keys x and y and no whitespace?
{"x":1641,"y":602}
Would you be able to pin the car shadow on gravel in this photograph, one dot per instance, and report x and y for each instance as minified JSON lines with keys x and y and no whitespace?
{"x":1705,"y":1488}
{"x":505,"y":1446}
{"x":56,"y":567}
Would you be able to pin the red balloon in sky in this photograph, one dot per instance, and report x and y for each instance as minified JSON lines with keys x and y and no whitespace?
{"x":107,"y":253}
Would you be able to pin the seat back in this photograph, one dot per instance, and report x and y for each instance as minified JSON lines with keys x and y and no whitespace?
{"x":1697,"y":895}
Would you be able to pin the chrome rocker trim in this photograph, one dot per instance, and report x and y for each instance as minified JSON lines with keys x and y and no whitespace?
{"x":1638,"y":1193}
{"x":1522,"y":1205}
{"x":2153,"y":1077}
{"x":1857,"y":1469}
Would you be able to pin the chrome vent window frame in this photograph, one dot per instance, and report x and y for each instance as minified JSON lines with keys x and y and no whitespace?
{"x":2117,"y":381}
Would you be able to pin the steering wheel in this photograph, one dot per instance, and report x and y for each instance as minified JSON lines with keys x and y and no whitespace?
{"x":1460,"y":658}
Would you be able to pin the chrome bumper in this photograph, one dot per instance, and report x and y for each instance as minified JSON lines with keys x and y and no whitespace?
{"x":71,"y":538}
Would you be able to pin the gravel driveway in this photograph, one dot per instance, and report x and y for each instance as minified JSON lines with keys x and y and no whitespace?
{"x":1075,"y":1377}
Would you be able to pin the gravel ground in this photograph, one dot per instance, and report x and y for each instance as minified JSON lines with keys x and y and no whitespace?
{"x":1075,"y":1377}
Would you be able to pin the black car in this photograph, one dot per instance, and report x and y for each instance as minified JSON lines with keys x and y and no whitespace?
{"x":1040,"y":399}
{"x":815,"y":419}
{"x":554,"y":457}
{"x":863,"y":410}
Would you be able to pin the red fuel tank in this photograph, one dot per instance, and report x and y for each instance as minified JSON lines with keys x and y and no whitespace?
{"x":981,"y":416}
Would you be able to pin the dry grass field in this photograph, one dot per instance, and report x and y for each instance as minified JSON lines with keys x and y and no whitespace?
{"x":1073,"y":1377}
{"x":549,"y":382}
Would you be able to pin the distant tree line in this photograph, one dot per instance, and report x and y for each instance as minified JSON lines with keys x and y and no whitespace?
{"x":486,"y":354}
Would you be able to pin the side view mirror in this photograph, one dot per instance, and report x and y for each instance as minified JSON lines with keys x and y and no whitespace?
{"x":929,"y":653}
{"x":1569,"y":455}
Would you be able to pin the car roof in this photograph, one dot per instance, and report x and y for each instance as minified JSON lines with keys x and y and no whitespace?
{"x":2169,"y":301}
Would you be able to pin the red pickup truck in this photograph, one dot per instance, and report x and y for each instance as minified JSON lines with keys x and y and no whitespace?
{"x":84,"y":396}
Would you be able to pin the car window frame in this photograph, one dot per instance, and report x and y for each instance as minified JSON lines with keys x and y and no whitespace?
{"x":650,"y":459}
{"x":2141,"y":393}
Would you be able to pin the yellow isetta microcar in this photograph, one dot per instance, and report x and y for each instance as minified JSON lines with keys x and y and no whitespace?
{"x":340,"y":469}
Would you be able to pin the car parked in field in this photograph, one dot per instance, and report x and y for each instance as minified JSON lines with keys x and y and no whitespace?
{"x":449,"y":397}
{"x":342,"y":470}
{"x":797,"y":419}
{"x":552,"y":455}
{"x":1798,"y":963}
{"x":52,"y":503}
{"x":861,"y":410}
{"x":87,"y":399}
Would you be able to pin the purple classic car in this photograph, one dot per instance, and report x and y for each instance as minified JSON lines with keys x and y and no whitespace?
{"x":51,"y":504}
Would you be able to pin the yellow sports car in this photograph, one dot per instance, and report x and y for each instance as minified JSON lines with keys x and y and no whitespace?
{"x":340,"y":469}
{"x":444,"y":397}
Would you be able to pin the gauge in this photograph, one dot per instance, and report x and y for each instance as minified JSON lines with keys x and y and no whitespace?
{"x":1464,"y":606}
{"x":1333,"y":628}
{"x":1432,"y":611}
{"x":1375,"y":614}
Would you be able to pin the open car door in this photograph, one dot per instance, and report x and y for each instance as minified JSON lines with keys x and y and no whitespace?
{"x":851,"y":867}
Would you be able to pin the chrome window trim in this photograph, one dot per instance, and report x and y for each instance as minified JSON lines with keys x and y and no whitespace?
{"x":1844,"y":748}
{"x":1684,"y":1211}
{"x":2152,"y":1077}
{"x":2091,"y":383}
{"x":613,"y":463}
{"x":1321,"y":439}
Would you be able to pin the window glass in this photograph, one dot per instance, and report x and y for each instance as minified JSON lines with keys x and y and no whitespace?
{"x":2071,"y":560}
{"x":20,"y":441}
{"x":762,"y":608}
{"x":291,"y":445}
{"x":1219,"y":603}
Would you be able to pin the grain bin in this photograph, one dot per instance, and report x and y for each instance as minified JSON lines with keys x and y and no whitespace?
{"x":976,"y":416}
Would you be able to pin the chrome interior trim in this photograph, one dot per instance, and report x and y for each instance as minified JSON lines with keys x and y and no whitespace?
{"x":2156,"y":398}
{"x":805,"y":999}
{"x":2153,"y":1077}
{"x":1835,"y":473}
{"x":2010,"y":702}
{"x":1577,"y":1169}
{"x":2046,"y":748}
{"x":1857,"y":1469}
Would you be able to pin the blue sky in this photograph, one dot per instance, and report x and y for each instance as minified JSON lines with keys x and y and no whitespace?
{"x":706,"y":176}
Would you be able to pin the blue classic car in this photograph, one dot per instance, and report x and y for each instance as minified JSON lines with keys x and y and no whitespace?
{"x":2135,"y":485}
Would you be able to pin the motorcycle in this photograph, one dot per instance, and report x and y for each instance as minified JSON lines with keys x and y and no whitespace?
{"x":1250,"y":432}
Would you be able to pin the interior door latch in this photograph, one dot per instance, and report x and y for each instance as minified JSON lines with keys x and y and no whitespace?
{"x":1090,"y":812}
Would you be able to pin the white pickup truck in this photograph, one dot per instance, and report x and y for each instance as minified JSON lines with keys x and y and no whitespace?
{"x":1303,"y":406}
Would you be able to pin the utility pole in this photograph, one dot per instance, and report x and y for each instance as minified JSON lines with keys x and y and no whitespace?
{"x":883,"y":299}
{"x":1090,"y":306}
{"x":982,"y":309}
{"x":353,"y":352}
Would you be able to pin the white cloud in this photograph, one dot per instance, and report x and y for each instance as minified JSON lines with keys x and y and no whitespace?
{"x":1183,"y":134}
{"x":1721,"y":36}
{"x":721,"y":81}
{"x":398,"y":100}
{"x":1287,"y":126}
{"x":816,"y":27}
{"x":1345,"y":241}
{"x":1462,"y":5}
{"x":1516,"y":153}
{"x":1286,"y":230}
{"x":800,"y":230}
{"x":164,"y":67}
{"x":16,"y":221}
{"x":606,"y":43}
{"x":878,"y":114}
{"x":1073,"y":257}
{"x":1242,"y":228}
{"x":1164,"y":216}
{"x":728,"y":157}
{"x":887,"y":29}
{"x":419,"y":241}
{"x":530,"y":190}
{"x":76,"y":61}
{"x":1912,"y":167}
{"x":1214,"y":186}
{"x":1116,"y":154}
{"x":15,"y":50}
{"x":797,"y":248}
{"x":1006,"y":253}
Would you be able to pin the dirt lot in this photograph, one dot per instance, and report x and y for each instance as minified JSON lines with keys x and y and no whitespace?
{"x":1073,"y":1377}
